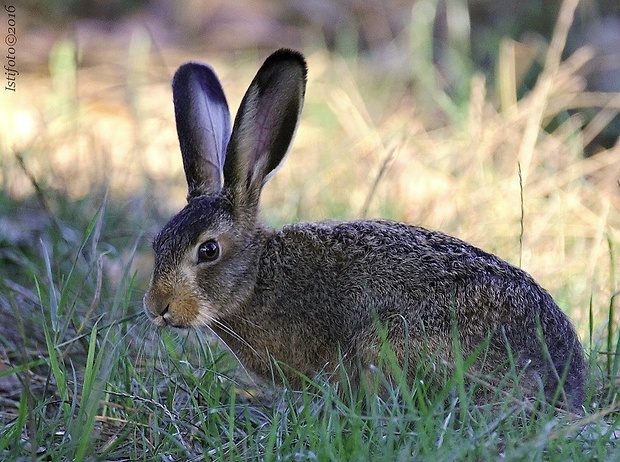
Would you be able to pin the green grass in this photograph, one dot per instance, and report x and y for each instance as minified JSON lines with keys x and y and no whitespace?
{"x":104,"y":385}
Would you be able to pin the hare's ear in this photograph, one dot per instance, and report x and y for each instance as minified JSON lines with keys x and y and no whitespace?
{"x":203,"y":127}
{"x":265,"y":124}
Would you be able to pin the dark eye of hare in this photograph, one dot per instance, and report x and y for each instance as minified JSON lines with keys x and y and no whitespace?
{"x":208,"y":251}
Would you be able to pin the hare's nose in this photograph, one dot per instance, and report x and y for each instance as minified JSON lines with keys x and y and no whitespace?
{"x":163,"y":315}
{"x":161,"y":320}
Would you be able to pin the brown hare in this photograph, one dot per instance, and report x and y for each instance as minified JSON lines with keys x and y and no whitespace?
{"x":312,"y":295}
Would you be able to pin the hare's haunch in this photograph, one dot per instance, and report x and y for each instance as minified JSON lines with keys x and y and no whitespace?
{"x":312,"y":295}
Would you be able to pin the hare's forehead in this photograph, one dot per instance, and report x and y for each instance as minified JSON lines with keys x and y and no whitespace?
{"x":185,"y":229}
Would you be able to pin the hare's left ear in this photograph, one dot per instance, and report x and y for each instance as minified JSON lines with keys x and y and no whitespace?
{"x":265,"y":125}
{"x":203,"y":127}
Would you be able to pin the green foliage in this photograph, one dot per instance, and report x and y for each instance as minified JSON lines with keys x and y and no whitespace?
{"x":109,"y":387}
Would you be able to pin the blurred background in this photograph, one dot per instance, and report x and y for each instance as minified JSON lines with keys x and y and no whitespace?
{"x":496,"y":121}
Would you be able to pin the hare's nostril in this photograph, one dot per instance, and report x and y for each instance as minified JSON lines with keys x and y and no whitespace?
{"x":161,"y":319}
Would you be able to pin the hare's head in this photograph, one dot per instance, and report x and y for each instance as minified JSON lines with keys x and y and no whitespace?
{"x":206,"y":256}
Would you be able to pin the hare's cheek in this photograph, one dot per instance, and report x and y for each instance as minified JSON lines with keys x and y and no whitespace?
{"x":182,"y":312}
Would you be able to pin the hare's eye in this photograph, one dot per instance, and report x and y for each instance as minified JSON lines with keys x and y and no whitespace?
{"x":208,"y":251}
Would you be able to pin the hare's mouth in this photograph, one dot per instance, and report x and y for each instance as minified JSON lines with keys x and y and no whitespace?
{"x":172,"y":315}
{"x":163,"y":318}
{"x":171,"y":310}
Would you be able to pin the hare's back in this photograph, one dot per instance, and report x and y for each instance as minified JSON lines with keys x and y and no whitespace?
{"x":366,"y":268}
{"x":394,"y":248}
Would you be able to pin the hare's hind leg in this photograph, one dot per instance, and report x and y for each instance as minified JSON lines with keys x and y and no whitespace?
{"x":392,"y":360}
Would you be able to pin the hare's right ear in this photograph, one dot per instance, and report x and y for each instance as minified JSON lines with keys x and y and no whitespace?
{"x":203,"y":127}
{"x":265,"y":125}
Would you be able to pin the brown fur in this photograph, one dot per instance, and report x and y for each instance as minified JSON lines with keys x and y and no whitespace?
{"x":311,"y":294}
